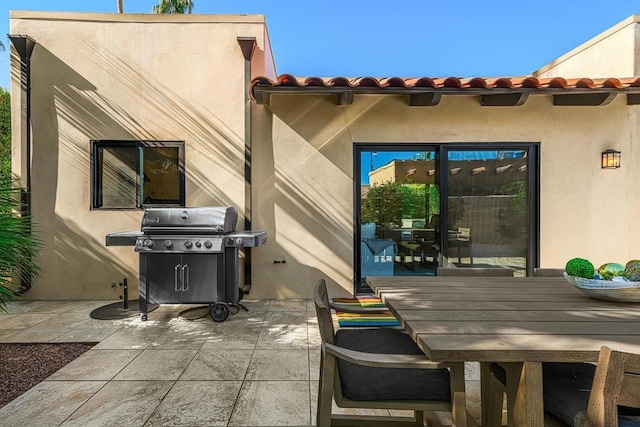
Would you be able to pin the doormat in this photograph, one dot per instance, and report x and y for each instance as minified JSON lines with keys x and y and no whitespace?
{"x":347,"y":319}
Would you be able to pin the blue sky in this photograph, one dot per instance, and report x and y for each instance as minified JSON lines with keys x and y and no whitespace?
{"x":404,"y":38}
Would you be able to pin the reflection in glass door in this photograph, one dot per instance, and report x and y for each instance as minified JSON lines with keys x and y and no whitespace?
{"x":423,"y":206}
{"x":399,"y":212}
{"x":488,"y":207}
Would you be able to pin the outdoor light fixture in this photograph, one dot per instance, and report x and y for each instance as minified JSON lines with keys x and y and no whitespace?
{"x":455,"y":171}
{"x":610,"y":159}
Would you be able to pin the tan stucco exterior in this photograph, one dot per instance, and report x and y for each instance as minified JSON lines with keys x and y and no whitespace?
{"x":103,"y":76}
{"x":127,"y":77}
{"x":612,"y":53}
{"x":306,"y":201}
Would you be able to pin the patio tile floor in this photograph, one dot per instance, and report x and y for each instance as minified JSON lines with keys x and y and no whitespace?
{"x":257,"y":368}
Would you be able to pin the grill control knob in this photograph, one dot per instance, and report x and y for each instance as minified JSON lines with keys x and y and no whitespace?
{"x":240,"y":241}
{"x":208,"y":244}
{"x":198,"y":244}
{"x":148,"y":243}
{"x":188,"y":244}
{"x":168,"y":243}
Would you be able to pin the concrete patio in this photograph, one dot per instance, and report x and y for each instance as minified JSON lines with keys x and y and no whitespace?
{"x":258,"y":368}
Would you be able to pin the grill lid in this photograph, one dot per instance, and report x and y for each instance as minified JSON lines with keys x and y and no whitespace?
{"x":205,"y":220}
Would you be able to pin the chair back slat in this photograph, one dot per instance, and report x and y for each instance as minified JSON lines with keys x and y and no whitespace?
{"x":630,"y":391}
{"x":323,"y":311}
{"x":616,"y":382}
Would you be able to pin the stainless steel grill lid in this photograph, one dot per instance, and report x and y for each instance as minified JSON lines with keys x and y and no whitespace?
{"x":200,"y":220}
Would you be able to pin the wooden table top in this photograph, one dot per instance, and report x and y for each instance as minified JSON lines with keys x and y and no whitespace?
{"x":521,"y":319}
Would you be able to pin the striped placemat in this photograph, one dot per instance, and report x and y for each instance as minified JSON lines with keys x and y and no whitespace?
{"x":364,"y":319}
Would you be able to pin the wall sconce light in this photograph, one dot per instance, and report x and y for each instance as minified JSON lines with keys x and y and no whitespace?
{"x":610,"y":159}
{"x":455,"y":171}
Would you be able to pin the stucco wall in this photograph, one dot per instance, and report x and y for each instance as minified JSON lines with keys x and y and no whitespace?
{"x":127,"y":77}
{"x":613,"y":53}
{"x":306,"y":197}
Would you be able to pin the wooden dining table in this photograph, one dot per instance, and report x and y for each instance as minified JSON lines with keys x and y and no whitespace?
{"x":518,"y":322}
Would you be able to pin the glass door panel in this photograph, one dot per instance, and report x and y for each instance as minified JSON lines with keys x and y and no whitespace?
{"x":399,"y":212}
{"x":488,"y":203}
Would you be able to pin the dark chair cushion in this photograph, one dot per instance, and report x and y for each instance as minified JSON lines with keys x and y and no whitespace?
{"x":566,"y":389}
{"x":366,"y":383}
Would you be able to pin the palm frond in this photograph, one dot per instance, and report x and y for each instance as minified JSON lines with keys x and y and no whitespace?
{"x":18,"y":244}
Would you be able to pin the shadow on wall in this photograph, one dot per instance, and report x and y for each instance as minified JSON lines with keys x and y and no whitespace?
{"x":294,"y":187}
{"x":68,"y":111}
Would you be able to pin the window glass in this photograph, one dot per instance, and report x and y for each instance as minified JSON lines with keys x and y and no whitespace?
{"x":161,"y":175}
{"x":118,"y":186}
{"x":130,"y":175}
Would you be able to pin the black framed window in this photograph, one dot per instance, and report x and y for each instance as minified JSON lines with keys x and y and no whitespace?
{"x":137,"y":174}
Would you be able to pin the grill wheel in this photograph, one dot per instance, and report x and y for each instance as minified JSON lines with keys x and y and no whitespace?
{"x":219,"y":312}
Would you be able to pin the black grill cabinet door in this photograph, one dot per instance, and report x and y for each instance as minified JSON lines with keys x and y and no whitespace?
{"x":200,"y":273}
{"x":164,"y":277}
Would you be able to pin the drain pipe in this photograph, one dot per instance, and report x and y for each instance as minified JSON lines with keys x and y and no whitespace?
{"x":247,"y":45}
{"x":24,"y":46}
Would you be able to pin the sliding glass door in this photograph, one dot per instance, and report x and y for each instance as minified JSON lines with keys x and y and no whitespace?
{"x":490,"y":205}
{"x":421,"y":206}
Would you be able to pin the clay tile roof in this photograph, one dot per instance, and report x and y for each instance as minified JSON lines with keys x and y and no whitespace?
{"x":457,"y":85}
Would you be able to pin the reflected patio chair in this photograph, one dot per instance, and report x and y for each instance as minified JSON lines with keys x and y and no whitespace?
{"x":462,"y":239}
{"x":381,"y":368}
{"x":479,"y":272}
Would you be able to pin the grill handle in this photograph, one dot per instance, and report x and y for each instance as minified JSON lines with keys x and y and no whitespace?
{"x":175,"y":278}
{"x":185,"y":278}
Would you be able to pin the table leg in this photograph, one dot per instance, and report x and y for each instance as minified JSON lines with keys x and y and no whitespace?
{"x":524,"y":394}
{"x":491,"y":398}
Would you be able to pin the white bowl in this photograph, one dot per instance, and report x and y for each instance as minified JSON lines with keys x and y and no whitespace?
{"x":607,"y":290}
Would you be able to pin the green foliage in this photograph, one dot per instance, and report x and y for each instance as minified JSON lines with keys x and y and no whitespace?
{"x":580,"y":267}
{"x":383,"y":204}
{"x":173,"y":6}
{"x":18,"y":247}
{"x":5,"y":133}
{"x":413,"y":200}
{"x":512,"y":221}
{"x":434,"y":200}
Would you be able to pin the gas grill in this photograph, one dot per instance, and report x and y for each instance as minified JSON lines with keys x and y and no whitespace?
{"x":189,"y":256}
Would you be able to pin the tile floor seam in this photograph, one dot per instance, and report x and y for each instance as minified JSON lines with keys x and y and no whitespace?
{"x":83,"y":403}
{"x":159,"y":403}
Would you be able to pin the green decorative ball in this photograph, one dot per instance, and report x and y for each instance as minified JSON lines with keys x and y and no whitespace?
{"x":580,"y":267}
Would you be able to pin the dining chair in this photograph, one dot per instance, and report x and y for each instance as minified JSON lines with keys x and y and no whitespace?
{"x":475,"y":271}
{"x":568,"y":389}
{"x":381,"y":368}
{"x":616,"y":384}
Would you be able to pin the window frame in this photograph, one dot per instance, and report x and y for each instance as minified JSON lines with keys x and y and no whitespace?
{"x":138,"y":146}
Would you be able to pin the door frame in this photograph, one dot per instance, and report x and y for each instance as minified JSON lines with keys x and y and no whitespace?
{"x":441,"y":151}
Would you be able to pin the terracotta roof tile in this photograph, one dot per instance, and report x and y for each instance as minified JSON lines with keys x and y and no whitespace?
{"x":448,"y":84}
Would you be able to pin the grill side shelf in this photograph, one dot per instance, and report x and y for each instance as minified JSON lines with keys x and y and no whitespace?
{"x":123,"y":238}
